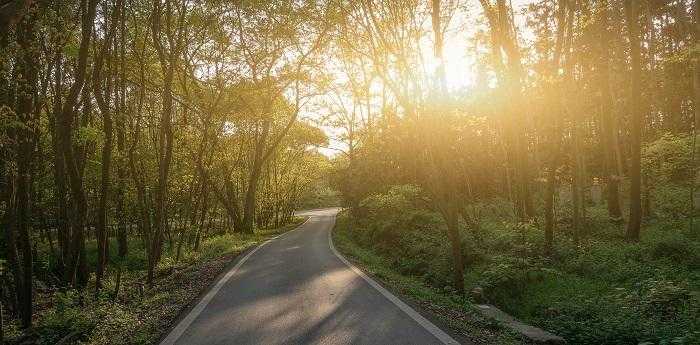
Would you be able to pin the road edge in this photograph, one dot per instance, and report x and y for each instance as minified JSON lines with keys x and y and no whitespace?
{"x":203,"y":300}
{"x":429,"y":326}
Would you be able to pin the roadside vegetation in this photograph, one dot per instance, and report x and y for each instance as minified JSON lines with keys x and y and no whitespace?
{"x":139,"y":142}
{"x":540,"y":155}
{"x":603,"y":291}
{"x":127,"y":311}
{"x":559,"y":185}
{"x":451,"y":309}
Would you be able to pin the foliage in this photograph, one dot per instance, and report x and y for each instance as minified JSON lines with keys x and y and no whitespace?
{"x":602,"y":291}
{"x":668,"y":159}
{"x":140,"y":315}
{"x":442,"y":303}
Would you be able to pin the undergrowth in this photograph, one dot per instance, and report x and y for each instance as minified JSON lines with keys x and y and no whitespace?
{"x":138,"y":314}
{"x":602,"y":291}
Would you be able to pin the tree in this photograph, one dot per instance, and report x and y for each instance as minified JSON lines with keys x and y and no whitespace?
{"x":168,"y":51}
{"x":504,"y":45}
{"x":635,"y":221}
{"x":609,"y":123}
{"x":76,"y":269}
{"x":104,"y":105}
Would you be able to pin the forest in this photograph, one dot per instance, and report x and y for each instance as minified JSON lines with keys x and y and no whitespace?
{"x":535,"y":155}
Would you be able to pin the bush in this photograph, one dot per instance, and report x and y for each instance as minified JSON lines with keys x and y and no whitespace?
{"x":671,"y":201}
{"x":675,"y":248}
{"x":668,"y":159}
{"x":411,"y":237}
{"x":68,"y":317}
{"x":602,"y":291}
{"x":389,"y":214}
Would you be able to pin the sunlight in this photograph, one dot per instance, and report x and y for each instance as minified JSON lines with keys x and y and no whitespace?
{"x":537,"y":155}
{"x":459,"y":63}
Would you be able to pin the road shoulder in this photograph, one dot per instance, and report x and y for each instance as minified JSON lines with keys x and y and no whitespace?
{"x":454,"y":317}
{"x":176,"y":327}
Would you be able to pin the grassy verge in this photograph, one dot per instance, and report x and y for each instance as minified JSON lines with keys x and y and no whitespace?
{"x":603,"y":290}
{"x":452,"y":310}
{"x":138,"y":315}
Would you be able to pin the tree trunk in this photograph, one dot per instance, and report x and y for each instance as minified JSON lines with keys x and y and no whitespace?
{"x":2,"y":320}
{"x":696,"y":114}
{"x":554,"y":136}
{"x":75,"y":265}
{"x":59,"y":171}
{"x":549,"y":221}
{"x":205,"y":208}
{"x":165,"y":135}
{"x":26,"y":139}
{"x":452,"y":221}
{"x":252,"y":187}
{"x":122,"y":240}
{"x":609,"y":129}
{"x":636,"y":118}
{"x":105,"y":181}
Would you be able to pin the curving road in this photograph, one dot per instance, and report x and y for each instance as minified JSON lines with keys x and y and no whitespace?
{"x":296,"y":289}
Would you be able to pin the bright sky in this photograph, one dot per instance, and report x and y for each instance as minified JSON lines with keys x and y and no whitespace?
{"x":459,"y":47}
{"x":460,"y":64}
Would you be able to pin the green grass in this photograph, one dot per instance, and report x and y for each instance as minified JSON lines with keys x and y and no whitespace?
{"x":449,"y":308}
{"x":603,"y":291}
{"x":138,"y":315}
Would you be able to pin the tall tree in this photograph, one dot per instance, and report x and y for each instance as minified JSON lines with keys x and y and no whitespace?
{"x":18,"y":180}
{"x":102,"y":89}
{"x":609,"y":131}
{"x":76,"y":269}
{"x":553,"y":135}
{"x":507,"y":62}
{"x":636,"y":118}
{"x":168,"y":40}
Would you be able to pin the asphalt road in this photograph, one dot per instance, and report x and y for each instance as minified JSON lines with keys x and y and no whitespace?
{"x":296,"y":290}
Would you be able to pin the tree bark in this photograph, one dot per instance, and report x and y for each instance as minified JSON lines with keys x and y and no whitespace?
{"x":76,"y":259}
{"x":635,"y":221}
{"x":167,"y":61}
{"x":452,"y":220}
{"x":17,"y":186}
{"x":104,"y":105}
{"x":609,"y":128}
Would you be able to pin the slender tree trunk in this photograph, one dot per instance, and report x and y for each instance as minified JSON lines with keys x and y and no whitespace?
{"x":608,"y":130}
{"x":634,"y":100}
{"x":165,"y":135}
{"x":554,"y":136}
{"x":122,"y":241}
{"x":549,"y":221}
{"x":205,"y":209}
{"x":26,"y":142}
{"x":452,"y":220}
{"x":451,"y":208}
{"x":696,"y":114}
{"x":107,"y":126}
{"x":59,"y":171}
{"x":2,"y":320}
{"x":75,"y":266}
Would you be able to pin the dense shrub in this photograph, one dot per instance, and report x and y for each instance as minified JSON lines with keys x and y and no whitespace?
{"x":398,"y":227}
{"x":668,"y":159}
{"x":602,"y":291}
